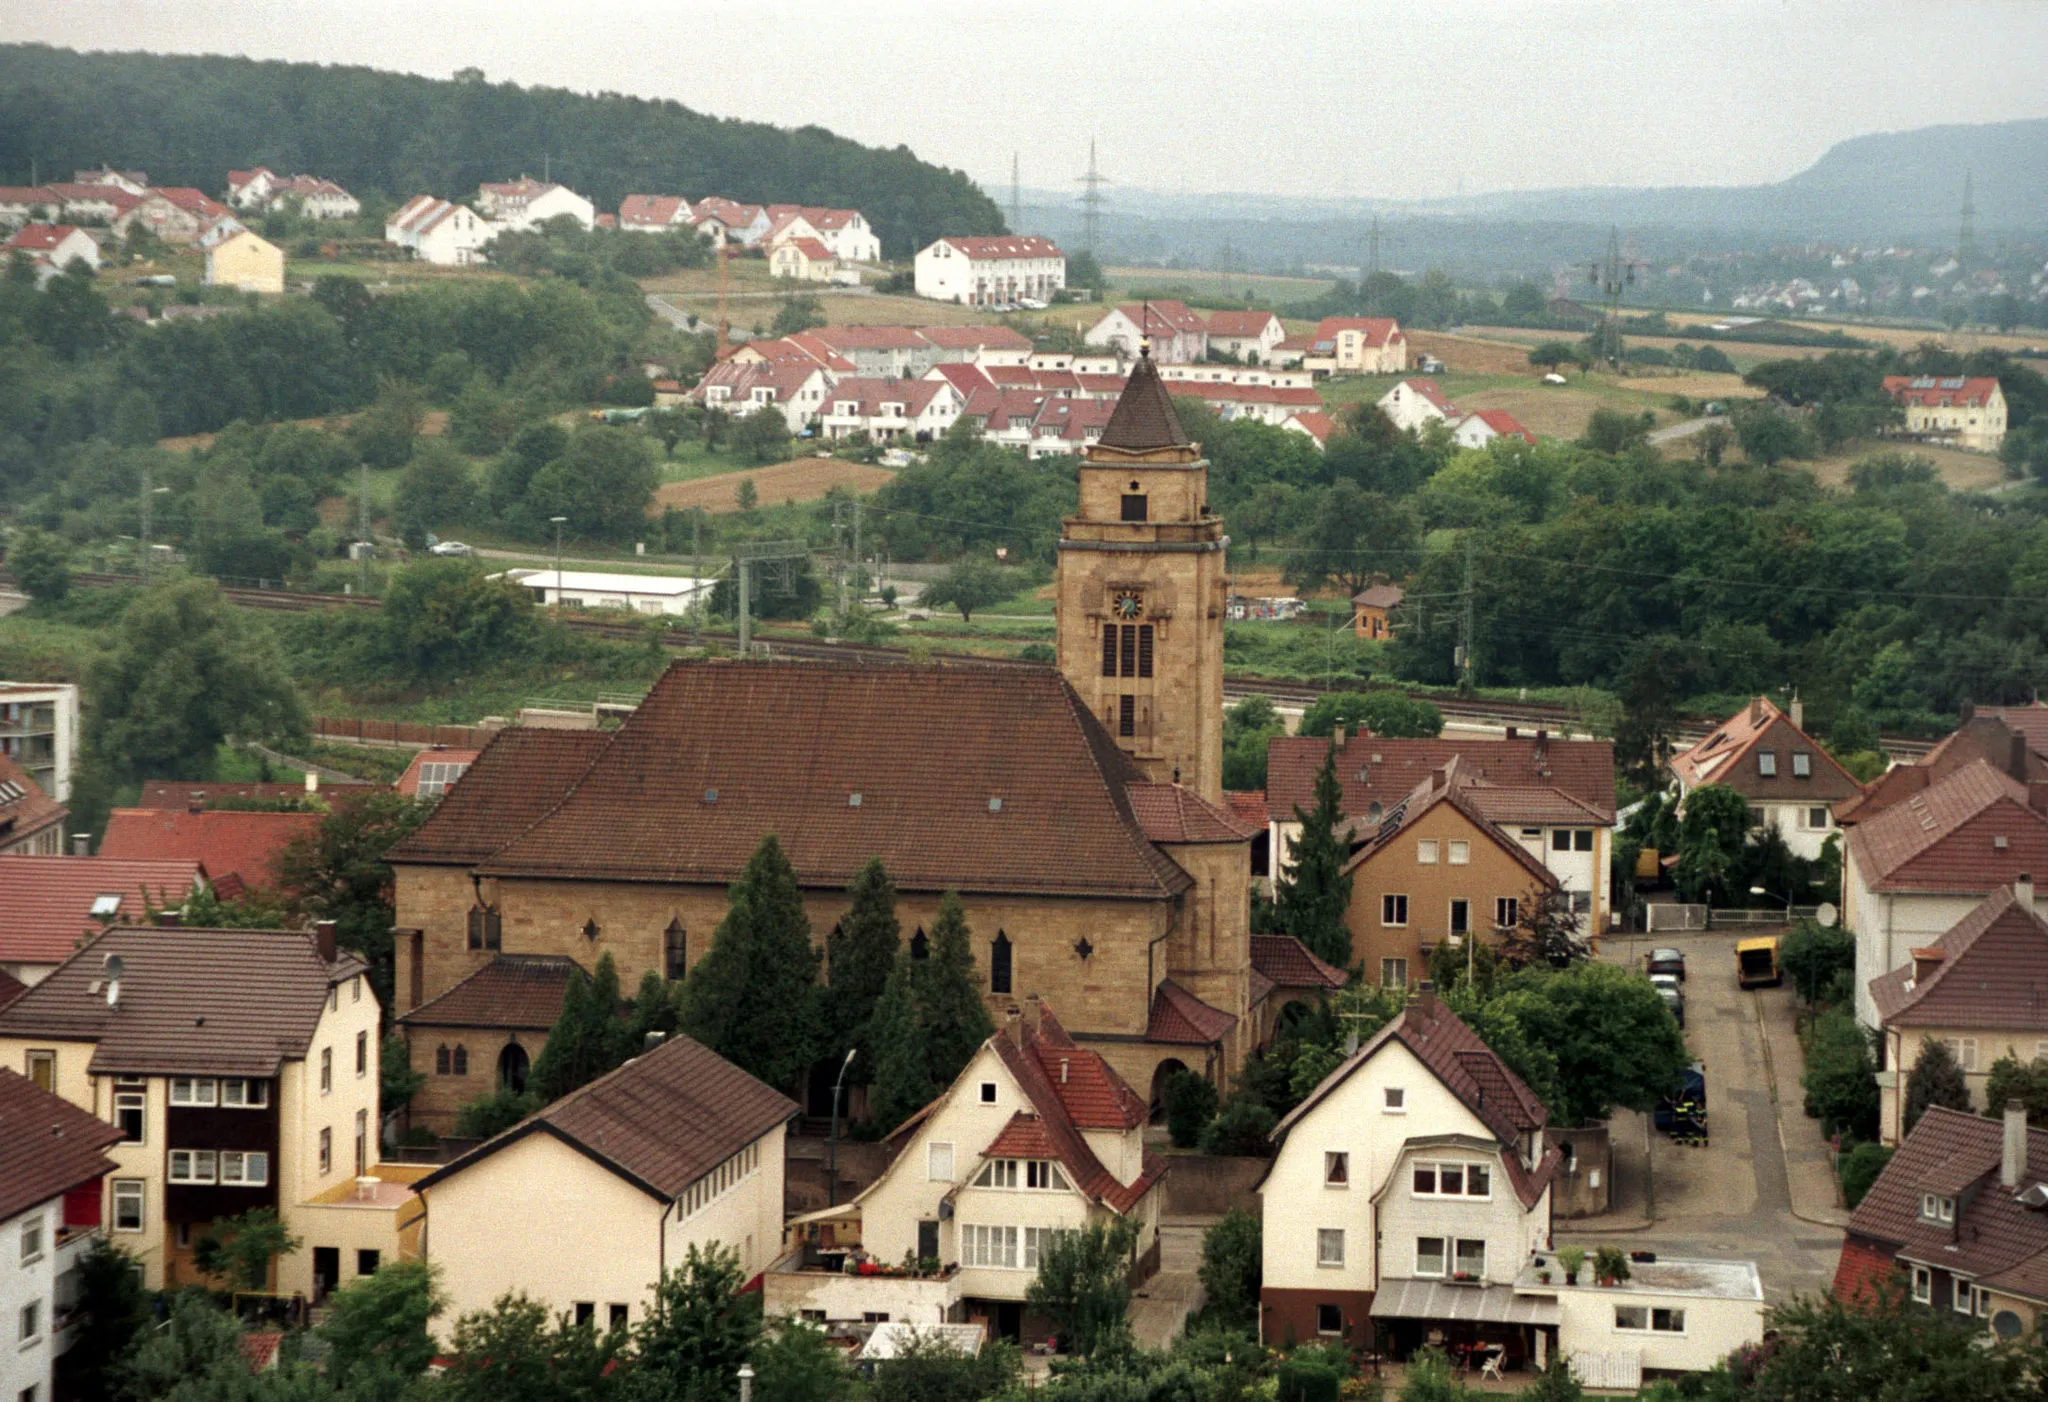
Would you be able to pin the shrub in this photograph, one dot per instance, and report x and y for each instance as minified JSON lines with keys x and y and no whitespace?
{"x":40,"y":564}
{"x":1190,"y":1106}
{"x":1308,"y":1379}
{"x":1841,"y":1076}
{"x":1243,"y":1128}
{"x":1859,"y":1169}
{"x":1233,"y":1269}
{"x":1936,"y":1079}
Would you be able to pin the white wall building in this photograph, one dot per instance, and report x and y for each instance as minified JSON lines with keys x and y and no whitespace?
{"x":637,"y":593}
{"x":525,"y":203}
{"x":439,"y":231}
{"x":1415,"y":404}
{"x":986,"y":271}
{"x":39,"y":732}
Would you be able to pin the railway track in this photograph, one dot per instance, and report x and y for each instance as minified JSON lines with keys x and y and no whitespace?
{"x":1470,"y":711}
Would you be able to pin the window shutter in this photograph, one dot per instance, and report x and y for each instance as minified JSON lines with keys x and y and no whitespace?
{"x":1145,"y":650}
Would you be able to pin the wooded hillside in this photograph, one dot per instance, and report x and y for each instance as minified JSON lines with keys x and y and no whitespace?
{"x":189,"y":120}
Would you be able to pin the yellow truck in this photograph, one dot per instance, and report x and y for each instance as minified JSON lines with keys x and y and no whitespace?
{"x":1756,"y":963}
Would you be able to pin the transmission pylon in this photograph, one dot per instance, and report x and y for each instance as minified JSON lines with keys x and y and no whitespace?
{"x":1610,"y":275}
{"x":1092,"y":199}
{"x":1966,"y":237}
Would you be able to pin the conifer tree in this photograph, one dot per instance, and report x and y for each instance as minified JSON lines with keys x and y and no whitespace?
{"x":1317,"y":893}
{"x":587,"y":1039}
{"x":859,"y":955}
{"x":1936,"y":1079}
{"x":752,"y":997}
{"x":656,"y":1008}
{"x":928,"y":1022}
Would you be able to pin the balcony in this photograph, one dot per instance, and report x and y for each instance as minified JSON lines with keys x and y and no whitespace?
{"x":819,"y":1285}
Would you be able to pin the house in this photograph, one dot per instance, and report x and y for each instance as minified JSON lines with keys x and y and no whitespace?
{"x":1982,"y":988}
{"x":978,"y":345}
{"x":1071,"y":808}
{"x":1569,"y":785}
{"x":55,"y":904}
{"x":93,"y":203}
{"x":1294,"y":351}
{"x":1956,"y":1220}
{"x":1357,"y":345}
{"x":31,"y":822}
{"x":1272,"y":404}
{"x":585,"y":1204}
{"x":654,"y":214}
{"x":1372,"y":610}
{"x":246,"y":261}
{"x":1036,"y":1135}
{"x":844,"y":231}
{"x":439,"y":231}
{"x":1966,"y":410}
{"x":889,"y":352}
{"x":1482,"y":426}
{"x":1791,"y":783}
{"x":434,"y":770}
{"x":802,"y":260}
{"x":1914,"y":871}
{"x":725,"y":221}
{"x":1250,"y":336}
{"x":993,"y":270}
{"x":134,"y":182}
{"x":238,"y":849}
{"x":527,"y":204}
{"x":262,"y":189}
{"x":1412,"y":405}
{"x":250,"y":189}
{"x":2012,"y":738}
{"x":803,"y":349}
{"x":1177,"y":335}
{"x":887,"y":409}
{"x":741,"y":386}
{"x":1440,"y":868}
{"x":673,"y":595}
{"x":1066,"y":426}
{"x":1318,"y":425}
{"x":242,"y":1069}
{"x":177,"y":214}
{"x":59,"y":245}
{"x":52,"y":1160}
{"x":21,"y":204}
{"x":483,"y":1034}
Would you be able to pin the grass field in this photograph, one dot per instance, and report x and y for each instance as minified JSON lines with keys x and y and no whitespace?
{"x":1961,"y":471}
{"x":799,"y":480}
{"x":1265,"y":290}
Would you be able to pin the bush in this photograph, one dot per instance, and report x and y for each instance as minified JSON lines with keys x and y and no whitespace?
{"x":1242,"y":1129}
{"x":1859,"y":1169}
{"x":1233,"y":1269}
{"x":1311,"y":1378}
{"x":1190,"y":1106}
{"x":1813,"y":955}
{"x":493,"y":1114}
{"x":40,"y":564}
{"x":1841,"y":1076}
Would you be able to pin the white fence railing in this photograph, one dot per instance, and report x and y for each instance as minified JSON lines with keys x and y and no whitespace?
{"x":1664,"y":917}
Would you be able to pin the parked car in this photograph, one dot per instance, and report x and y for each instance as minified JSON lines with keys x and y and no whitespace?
{"x":1665,"y":961}
{"x":1031,"y":304}
{"x":1689,"y":1102}
{"x":1673,"y":996}
{"x":451,"y":547}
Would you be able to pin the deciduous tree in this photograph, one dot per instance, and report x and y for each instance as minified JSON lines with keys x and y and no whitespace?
{"x":1082,"y":1287}
{"x":973,"y":583}
{"x":697,"y":1331}
{"x":339,"y":872}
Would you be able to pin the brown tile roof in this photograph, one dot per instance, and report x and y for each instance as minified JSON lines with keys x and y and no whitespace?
{"x":1005,"y":246}
{"x":25,"y":809}
{"x":1993,"y":974}
{"x":10,"y":988}
{"x":177,"y":793}
{"x":1945,"y":838}
{"x":48,"y":909}
{"x":1247,"y":805}
{"x":1289,"y":964}
{"x":1860,"y":1270}
{"x":1072,"y":1090}
{"x":1144,"y":417}
{"x":967,"y":779}
{"x":1732,"y":755}
{"x":48,"y":1146}
{"x":227,"y":842}
{"x":519,"y":991}
{"x":1179,"y":1017}
{"x":408,"y":783}
{"x":1379,"y":596}
{"x":1514,"y":805}
{"x":219,"y":1002}
{"x":1374,"y":769}
{"x":1452,"y":785}
{"x":1995,"y":1238}
{"x":2030,"y":721}
{"x":661,"y":1121}
{"x":1985,"y":735}
{"x":520,"y":775}
{"x":1173,"y":815}
{"x":1469,"y":1069}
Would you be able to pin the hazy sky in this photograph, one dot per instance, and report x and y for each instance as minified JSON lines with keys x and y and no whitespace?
{"x":1381,"y":98}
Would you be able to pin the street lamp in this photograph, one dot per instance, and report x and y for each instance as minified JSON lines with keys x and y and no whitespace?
{"x":832,"y":1143}
{"x":746,"y":1382}
{"x":558,"y":520}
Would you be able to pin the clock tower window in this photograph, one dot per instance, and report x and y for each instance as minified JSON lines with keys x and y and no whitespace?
{"x":1126,"y":649}
{"x":1135,"y":507}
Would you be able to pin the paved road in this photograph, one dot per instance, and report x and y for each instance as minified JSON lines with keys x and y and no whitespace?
{"x":1685,"y":429}
{"x":1162,"y":1305}
{"x":1763,"y":1188}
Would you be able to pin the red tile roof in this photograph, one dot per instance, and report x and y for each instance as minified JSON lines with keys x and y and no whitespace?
{"x":227,"y":842}
{"x":1316,"y":424}
{"x":1248,"y":805}
{"x":1999,"y":736}
{"x":48,"y":909}
{"x":975,"y":338}
{"x":849,"y":338}
{"x":1164,"y":317}
{"x":523,"y":992}
{"x":1024,"y":1137}
{"x":650,"y":210}
{"x":1428,"y":390}
{"x":1172,"y":815}
{"x":1004,"y":246}
{"x":811,"y":249}
{"x":1180,"y":1018}
{"x":206,"y":1002}
{"x":408,"y":783}
{"x":1379,"y":330}
{"x":1942,"y":392}
{"x":179,"y":793}
{"x":1453,"y":785}
{"x":34,"y":237}
{"x":25,"y":809}
{"x":1947,"y":837}
{"x":1375,"y":769}
{"x":1993,"y":974}
{"x":1862,"y":1268}
{"x":1239,"y":324}
{"x":1503,"y":423}
{"x":662,"y":1121}
{"x":1072,"y":1090}
{"x":516,"y":779}
{"x":1731,"y":755}
{"x":191,"y":201}
{"x":48,"y":1146}
{"x":1290,"y":964}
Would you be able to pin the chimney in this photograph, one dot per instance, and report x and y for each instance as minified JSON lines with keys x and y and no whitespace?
{"x":1337,"y":737}
{"x":1514,"y":733}
{"x":1798,"y":713}
{"x":1926,"y":960}
{"x":1034,"y":1010}
{"x":312,"y":783}
{"x":2016,"y":756}
{"x":323,"y":940}
{"x":2023,"y":890}
{"x":2012,"y":1163}
{"x":652,"y":1039}
{"x":81,"y":844}
{"x":1425,"y":998}
{"x":1969,"y":712}
{"x":1756,"y":711}
{"x":1065,"y":1062}
{"x":1542,"y":750}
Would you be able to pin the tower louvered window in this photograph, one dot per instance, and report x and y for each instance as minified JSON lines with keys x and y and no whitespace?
{"x":1109,"y":636}
{"x":1127,"y":650}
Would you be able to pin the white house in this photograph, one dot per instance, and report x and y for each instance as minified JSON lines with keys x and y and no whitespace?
{"x":59,"y":245}
{"x":991,"y":270}
{"x":1414,"y":404}
{"x":654,"y":214}
{"x":919,"y":409}
{"x":1355,"y":345}
{"x":1790,"y":782}
{"x":39,"y":730}
{"x":439,"y":231}
{"x":1250,"y":336}
{"x":1178,"y":335}
{"x":583,"y":1205}
{"x":318,"y":198}
{"x":50,"y":1179}
{"x":250,"y":189}
{"x":796,"y":389}
{"x":728,"y":221}
{"x":636,"y":593}
{"x":1036,"y":1136}
{"x":844,"y":231}
{"x":525,"y":203}
{"x":1482,"y":426}
{"x":802,"y":260}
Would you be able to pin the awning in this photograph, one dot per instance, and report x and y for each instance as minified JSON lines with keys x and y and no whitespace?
{"x":826,"y":1214}
{"x":1461,"y":1304}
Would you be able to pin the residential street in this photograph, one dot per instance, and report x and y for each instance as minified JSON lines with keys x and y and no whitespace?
{"x":1763,"y":1188}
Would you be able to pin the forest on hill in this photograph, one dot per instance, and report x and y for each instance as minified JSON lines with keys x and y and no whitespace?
{"x":189,"y":120}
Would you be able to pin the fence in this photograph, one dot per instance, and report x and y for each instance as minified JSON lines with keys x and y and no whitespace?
{"x":1662,"y":917}
{"x":399,"y":732}
{"x":1666,"y":917}
{"x":1782,"y":915}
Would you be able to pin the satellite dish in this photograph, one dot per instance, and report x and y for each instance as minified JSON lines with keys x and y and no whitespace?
{"x":1827,"y":914}
{"x":113,"y":966}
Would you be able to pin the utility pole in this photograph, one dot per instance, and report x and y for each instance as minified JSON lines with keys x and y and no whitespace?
{"x":856,"y":540}
{"x":1016,"y":198}
{"x":363,"y":528}
{"x":839,"y":556}
{"x":148,"y":510}
{"x":1373,"y":243}
{"x":1465,"y":622}
{"x":746,"y":573}
{"x":1092,"y":200}
{"x":558,"y":520}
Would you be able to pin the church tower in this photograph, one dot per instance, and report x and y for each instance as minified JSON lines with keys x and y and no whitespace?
{"x":1142,"y":591}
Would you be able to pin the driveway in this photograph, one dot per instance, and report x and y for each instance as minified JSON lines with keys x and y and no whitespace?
{"x":1683,"y":429}
{"x":1762,"y":1188}
{"x":1161,"y":1306}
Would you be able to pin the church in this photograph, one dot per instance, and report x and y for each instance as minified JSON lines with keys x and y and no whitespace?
{"x":1078,"y":810}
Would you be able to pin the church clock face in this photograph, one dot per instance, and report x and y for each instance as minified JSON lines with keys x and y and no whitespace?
{"x":1127,"y":604}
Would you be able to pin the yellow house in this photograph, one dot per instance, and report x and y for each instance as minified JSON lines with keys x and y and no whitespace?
{"x":245,"y":261}
{"x":1967,"y":410}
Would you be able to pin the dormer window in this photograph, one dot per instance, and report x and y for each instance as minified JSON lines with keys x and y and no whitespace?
{"x":1936,"y":1208}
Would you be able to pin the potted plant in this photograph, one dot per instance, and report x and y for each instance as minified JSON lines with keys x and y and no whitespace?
{"x":1544,"y":1275}
{"x":1610,"y":1264}
{"x":1570,"y":1259}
